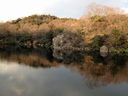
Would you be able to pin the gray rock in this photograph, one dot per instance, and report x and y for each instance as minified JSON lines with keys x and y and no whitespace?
{"x":104,"y":49}
{"x":67,"y":41}
{"x":58,"y":41}
{"x":67,"y":45}
{"x":103,"y":54}
{"x":61,"y":42}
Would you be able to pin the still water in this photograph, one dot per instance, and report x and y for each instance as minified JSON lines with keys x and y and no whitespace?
{"x":40,"y":72}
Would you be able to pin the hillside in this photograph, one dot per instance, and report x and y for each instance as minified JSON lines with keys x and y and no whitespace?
{"x":101,"y":25}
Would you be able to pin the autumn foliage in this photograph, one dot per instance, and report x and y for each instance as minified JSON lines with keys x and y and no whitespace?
{"x":98,"y":20}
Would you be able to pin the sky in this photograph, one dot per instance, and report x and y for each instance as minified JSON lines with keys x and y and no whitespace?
{"x":13,"y":9}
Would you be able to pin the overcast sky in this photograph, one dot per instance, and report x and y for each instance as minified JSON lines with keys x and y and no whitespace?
{"x":13,"y":9}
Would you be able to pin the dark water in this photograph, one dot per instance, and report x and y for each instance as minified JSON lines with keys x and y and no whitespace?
{"x":41,"y":72}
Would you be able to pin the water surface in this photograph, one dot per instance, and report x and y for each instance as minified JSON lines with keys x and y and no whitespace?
{"x":40,"y":72}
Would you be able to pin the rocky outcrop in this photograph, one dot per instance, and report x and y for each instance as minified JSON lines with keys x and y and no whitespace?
{"x":61,"y":42}
{"x":67,"y":41}
{"x":57,"y":41}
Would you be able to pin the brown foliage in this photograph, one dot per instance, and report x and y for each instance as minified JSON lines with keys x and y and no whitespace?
{"x":98,"y":20}
{"x":94,"y":9}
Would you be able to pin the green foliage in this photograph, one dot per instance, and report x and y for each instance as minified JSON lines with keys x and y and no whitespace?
{"x":119,"y":50}
{"x":25,"y":36}
{"x":38,"y":19}
{"x":18,"y":26}
{"x":46,"y":40}
{"x":65,"y":19}
{"x":119,"y":39}
{"x":97,"y":42}
{"x":116,"y":33}
{"x":12,"y":40}
{"x":16,"y":21}
{"x":97,"y":18}
{"x":58,"y":31}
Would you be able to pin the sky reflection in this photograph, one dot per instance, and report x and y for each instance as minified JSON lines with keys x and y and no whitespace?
{"x":21,"y":80}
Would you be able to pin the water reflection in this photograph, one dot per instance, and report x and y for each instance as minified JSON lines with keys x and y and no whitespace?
{"x":74,"y":72}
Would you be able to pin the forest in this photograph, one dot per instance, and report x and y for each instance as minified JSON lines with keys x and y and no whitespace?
{"x":99,"y":26}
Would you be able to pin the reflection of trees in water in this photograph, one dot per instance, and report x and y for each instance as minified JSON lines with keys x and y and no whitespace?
{"x":97,"y":70}
{"x":34,"y":58}
{"x":100,"y":71}
{"x":100,"y":74}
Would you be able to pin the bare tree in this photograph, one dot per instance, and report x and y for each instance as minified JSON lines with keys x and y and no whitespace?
{"x":94,"y":9}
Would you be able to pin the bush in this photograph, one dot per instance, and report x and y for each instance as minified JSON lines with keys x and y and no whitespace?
{"x":119,"y":38}
{"x":97,"y":42}
{"x":25,"y":36}
{"x":58,"y":31}
{"x":116,"y":33}
{"x":97,"y":18}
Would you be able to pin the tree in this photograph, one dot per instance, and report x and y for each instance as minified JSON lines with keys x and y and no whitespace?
{"x":94,"y":9}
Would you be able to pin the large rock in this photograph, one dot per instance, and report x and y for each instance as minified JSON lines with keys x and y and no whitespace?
{"x":104,"y":51}
{"x":58,"y":41}
{"x":61,"y":42}
{"x":103,"y":54}
{"x":68,"y":41}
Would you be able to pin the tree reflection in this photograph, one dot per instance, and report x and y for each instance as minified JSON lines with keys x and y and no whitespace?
{"x":97,"y":70}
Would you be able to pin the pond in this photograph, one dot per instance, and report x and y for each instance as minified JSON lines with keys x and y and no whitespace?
{"x":41,"y":72}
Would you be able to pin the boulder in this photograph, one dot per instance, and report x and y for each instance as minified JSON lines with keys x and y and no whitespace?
{"x":67,"y":41}
{"x":58,"y":41}
{"x":61,"y":42}
{"x":104,"y":49}
{"x":103,"y":54}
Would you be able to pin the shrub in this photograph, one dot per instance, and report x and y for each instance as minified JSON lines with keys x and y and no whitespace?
{"x":97,"y":18}
{"x":25,"y":36}
{"x":116,"y":33}
{"x":58,"y":31}
{"x":16,"y":21}
{"x":97,"y":42}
